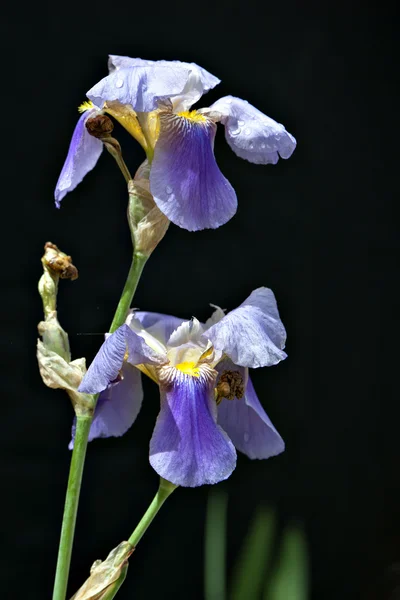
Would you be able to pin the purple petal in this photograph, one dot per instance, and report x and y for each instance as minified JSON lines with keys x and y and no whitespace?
{"x":208,"y":80}
{"x":186,"y":183}
{"x":246,"y":422}
{"x":188,"y":448}
{"x":252,"y":335}
{"x":141,"y":86}
{"x":117,"y":407}
{"x":83,"y":154}
{"x":159,"y":325}
{"x":251,"y":134}
{"x":109,"y":359}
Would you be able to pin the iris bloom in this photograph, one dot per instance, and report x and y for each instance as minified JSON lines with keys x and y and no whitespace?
{"x":153,"y":100}
{"x":208,"y":402}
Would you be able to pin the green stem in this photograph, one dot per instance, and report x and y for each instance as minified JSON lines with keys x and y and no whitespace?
{"x":135,"y":271}
{"x":71,"y":507}
{"x":166,"y":488}
{"x":80,"y":445}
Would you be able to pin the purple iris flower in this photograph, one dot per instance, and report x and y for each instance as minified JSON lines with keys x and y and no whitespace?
{"x":208,"y":403}
{"x":153,"y":100}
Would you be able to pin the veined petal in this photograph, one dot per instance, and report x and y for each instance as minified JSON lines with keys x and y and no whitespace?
{"x":117,"y":407}
{"x":185,"y":181}
{"x":158,"y":325}
{"x":252,"y":335}
{"x":83,"y":154}
{"x":108,"y":361}
{"x":208,"y":81}
{"x":141,"y":86}
{"x":188,"y":448}
{"x":246,"y":422}
{"x":251,"y":134}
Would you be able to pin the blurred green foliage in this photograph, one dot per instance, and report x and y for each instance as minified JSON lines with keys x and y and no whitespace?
{"x":269,"y":567}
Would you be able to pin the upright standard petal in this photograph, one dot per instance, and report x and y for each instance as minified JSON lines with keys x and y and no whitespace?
{"x":117,"y":407}
{"x":83,"y":154}
{"x":158,"y":325}
{"x":185,"y":180}
{"x":252,"y":335}
{"x":108,"y":361}
{"x":208,"y":81}
{"x":247,"y":423}
{"x":188,"y":447}
{"x":251,"y":134}
{"x":142,"y":87}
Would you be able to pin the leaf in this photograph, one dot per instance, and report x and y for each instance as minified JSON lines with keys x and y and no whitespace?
{"x":291,"y":579}
{"x":215,"y":547}
{"x":251,"y":568}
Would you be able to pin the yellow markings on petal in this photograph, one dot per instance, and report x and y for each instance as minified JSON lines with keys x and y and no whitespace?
{"x":189,"y":368}
{"x":192,"y":115}
{"x":86,"y":105}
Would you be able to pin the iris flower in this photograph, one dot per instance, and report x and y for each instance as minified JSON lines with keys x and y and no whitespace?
{"x":153,"y":100}
{"x":208,"y":403}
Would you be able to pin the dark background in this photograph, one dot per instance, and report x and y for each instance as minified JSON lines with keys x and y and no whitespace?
{"x":319,"y":229}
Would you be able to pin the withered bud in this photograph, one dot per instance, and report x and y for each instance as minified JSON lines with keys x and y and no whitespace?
{"x":100,"y":126}
{"x":230,"y":386}
{"x":58,"y":263}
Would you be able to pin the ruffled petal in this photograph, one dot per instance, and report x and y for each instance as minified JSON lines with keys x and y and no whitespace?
{"x":142,"y":84}
{"x":108,"y":361}
{"x":251,"y":134}
{"x":83,"y":154}
{"x":188,"y":331}
{"x":188,"y":448}
{"x":246,"y":422}
{"x":158,"y":325}
{"x":199,"y":81}
{"x":117,"y":407}
{"x":252,"y":335}
{"x":185,"y":180}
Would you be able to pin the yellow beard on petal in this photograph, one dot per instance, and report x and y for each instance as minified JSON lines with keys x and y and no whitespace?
{"x":192,"y":115}
{"x":189,"y":368}
{"x":86,"y":105}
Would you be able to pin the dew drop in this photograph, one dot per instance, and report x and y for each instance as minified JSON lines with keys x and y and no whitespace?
{"x":263,"y":146}
{"x":251,"y":145}
{"x":168,"y":189}
{"x":246,"y":436}
{"x":247,"y":131}
{"x":229,"y":100}
{"x":240,"y":123}
{"x":235,"y":131}
{"x":119,"y":83}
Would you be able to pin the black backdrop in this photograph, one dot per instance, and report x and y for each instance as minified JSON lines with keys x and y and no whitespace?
{"x":319,"y":229}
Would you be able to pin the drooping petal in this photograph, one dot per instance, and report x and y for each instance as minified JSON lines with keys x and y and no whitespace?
{"x":246,"y":422}
{"x":251,"y":134}
{"x":199,"y":82}
{"x":117,"y":407}
{"x":108,"y":361}
{"x":159,"y":325}
{"x":188,"y":448}
{"x":252,"y":335}
{"x":83,"y":154}
{"x":142,"y":86}
{"x":185,"y":180}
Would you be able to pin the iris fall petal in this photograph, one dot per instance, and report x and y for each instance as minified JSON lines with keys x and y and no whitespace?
{"x":185,"y":180}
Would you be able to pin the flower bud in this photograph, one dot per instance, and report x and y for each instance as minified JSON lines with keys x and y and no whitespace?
{"x":147,"y":223}
{"x":106,"y":576}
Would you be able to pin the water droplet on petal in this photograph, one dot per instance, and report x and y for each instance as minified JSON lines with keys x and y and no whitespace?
{"x":246,"y":436}
{"x":119,"y":83}
{"x":240,"y":123}
{"x":229,"y":100}
{"x":235,"y":131}
{"x":251,"y":145}
{"x":247,"y":131}
{"x":263,"y":146}
{"x":168,"y":189}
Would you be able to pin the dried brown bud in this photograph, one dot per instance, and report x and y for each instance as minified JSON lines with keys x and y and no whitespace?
{"x":99,"y":126}
{"x":230,"y":386}
{"x":58,"y":263}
